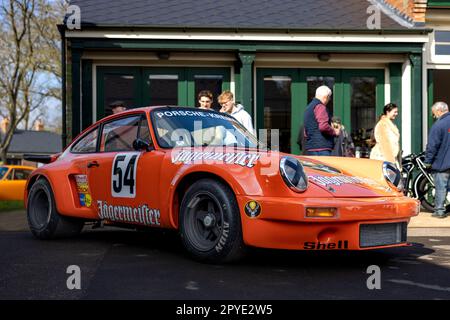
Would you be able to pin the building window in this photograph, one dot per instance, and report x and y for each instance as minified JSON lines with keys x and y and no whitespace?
{"x":442,"y":42}
{"x":163,"y":89}
{"x":118,"y":87}
{"x":363,"y":110}
{"x":277,"y":109}
{"x":212,"y":83}
{"x":316,"y":81}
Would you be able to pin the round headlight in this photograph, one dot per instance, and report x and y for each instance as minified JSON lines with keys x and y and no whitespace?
{"x":392,"y":174}
{"x":293,"y":174}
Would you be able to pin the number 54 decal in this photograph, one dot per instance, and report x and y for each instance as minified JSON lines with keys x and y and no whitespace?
{"x":123,"y":176}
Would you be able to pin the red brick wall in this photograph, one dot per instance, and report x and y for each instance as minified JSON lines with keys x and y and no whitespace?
{"x":415,"y":9}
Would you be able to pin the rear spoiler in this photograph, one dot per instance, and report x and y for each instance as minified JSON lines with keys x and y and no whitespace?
{"x":42,"y":158}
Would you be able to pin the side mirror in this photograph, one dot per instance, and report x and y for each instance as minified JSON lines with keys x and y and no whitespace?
{"x":140,"y":145}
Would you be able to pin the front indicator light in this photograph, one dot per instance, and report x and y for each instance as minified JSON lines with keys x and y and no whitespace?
{"x":321,"y":212}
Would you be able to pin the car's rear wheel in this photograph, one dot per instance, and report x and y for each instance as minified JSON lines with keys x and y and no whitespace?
{"x":210,"y":224}
{"x":43,"y":218}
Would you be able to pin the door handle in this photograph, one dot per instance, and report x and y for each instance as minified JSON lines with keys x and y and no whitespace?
{"x":93,"y":164}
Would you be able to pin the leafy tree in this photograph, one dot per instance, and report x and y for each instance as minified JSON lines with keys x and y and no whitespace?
{"x":30,"y":68}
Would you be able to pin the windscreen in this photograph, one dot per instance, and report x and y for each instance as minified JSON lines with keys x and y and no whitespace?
{"x":187,"y":127}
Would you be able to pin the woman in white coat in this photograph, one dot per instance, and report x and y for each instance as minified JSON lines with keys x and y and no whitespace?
{"x":387,"y":137}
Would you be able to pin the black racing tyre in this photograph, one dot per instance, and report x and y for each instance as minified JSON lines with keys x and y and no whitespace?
{"x":426,"y":194}
{"x":210,"y":223}
{"x":43,"y":218}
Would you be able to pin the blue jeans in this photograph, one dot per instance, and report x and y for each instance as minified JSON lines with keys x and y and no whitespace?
{"x":319,"y":153}
{"x":442,"y":183}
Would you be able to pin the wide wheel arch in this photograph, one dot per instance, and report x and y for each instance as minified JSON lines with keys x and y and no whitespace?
{"x":182,"y":186}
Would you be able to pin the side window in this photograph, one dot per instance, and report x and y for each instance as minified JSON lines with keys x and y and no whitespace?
{"x":119,"y":135}
{"x":144,"y":131}
{"x":87,"y":144}
{"x":10,"y":175}
{"x":21,"y":174}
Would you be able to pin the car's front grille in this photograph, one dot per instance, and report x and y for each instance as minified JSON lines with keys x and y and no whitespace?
{"x":375,"y":235}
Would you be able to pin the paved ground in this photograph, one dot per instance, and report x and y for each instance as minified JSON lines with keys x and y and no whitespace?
{"x":122,"y":264}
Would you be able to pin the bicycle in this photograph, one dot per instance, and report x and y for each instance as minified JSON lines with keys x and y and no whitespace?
{"x":420,"y":186}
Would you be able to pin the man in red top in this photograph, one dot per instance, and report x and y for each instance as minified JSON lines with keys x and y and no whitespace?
{"x":317,"y":123}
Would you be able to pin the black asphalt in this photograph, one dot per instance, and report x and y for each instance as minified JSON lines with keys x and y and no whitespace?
{"x":125,"y":264}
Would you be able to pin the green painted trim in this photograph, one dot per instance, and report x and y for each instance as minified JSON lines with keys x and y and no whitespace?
{"x":395,"y":79}
{"x":246,"y":87}
{"x":69,"y":94}
{"x":434,"y":4}
{"x":86,"y":94}
{"x":76,"y":91}
{"x":430,"y":78}
{"x":416,"y":103}
{"x":237,"y":80}
{"x":254,"y":46}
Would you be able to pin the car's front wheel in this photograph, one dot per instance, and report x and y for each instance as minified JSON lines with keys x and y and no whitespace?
{"x":210,"y":224}
{"x":43,"y":218}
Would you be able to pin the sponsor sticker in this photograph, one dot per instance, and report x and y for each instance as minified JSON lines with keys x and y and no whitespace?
{"x":141,"y":214}
{"x":189,"y":113}
{"x":340,"y":180}
{"x":243,"y":159}
{"x":252,"y":209}
{"x":83,"y":190}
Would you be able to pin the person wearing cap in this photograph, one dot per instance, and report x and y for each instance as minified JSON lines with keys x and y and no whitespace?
{"x":117,"y":107}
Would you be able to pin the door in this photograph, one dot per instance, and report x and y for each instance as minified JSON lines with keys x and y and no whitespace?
{"x":363,"y":93}
{"x":283,"y":94}
{"x":121,"y":187}
{"x":13,"y":185}
{"x":311,"y":79}
{"x":277,"y":92}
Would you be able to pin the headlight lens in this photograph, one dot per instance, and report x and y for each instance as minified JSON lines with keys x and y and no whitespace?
{"x":293,"y":174}
{"x":392,"y":175}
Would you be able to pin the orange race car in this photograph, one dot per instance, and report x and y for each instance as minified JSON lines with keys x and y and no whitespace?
{"x":202,"y":173}
{"x":12,"y":181}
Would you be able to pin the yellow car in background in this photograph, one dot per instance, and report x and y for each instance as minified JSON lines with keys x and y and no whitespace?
{"x":12,"y":181}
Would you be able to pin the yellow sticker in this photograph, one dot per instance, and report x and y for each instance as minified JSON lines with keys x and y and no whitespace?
{"x":252,"y":209}
{"x":88,"y":200}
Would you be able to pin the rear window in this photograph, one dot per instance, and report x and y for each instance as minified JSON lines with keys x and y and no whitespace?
{"x":86,"y":144}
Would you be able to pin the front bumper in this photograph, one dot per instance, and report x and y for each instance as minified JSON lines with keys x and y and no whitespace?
{"x":360,"y":224}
